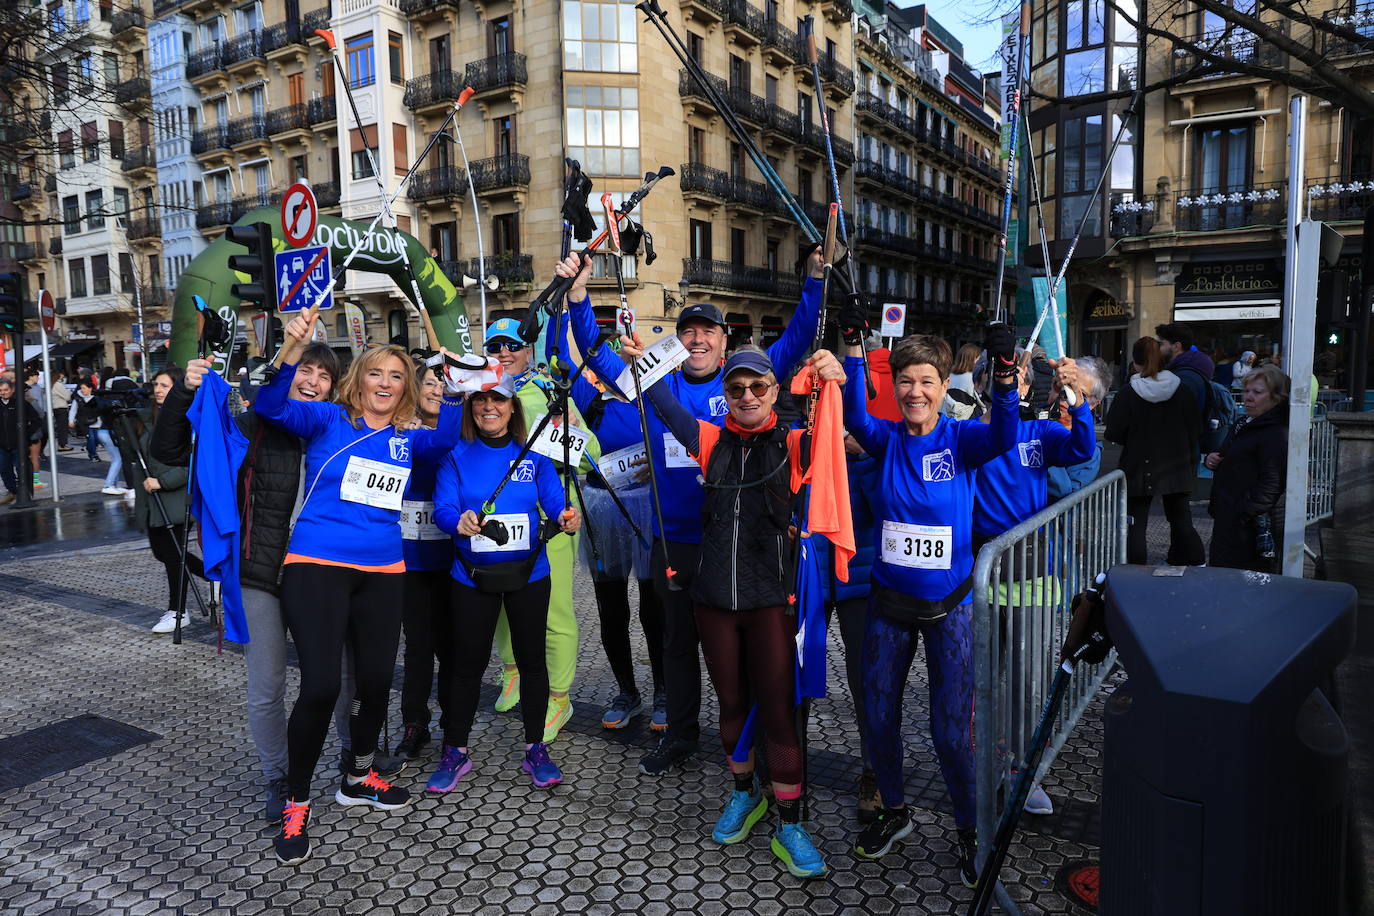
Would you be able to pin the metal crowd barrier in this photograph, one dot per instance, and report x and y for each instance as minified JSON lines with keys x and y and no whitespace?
{"x":1023,"y":583}
{"x":1321,"y":469}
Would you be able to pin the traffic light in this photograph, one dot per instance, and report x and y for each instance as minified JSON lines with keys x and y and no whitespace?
{"x":11,"y":303}
{"x":257,"y":263}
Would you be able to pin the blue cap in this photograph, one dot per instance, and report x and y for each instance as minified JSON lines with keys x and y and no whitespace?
{"x":702,"y":311}
{"x":755,"y":361}
{"x":504,"y":329}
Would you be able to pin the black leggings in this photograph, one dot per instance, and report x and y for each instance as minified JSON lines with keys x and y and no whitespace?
{"x":166,"y":543}
{"x":1185,"y":546}
{"x":473,"y":626}
{"x":613,"y":604}
{"x":323,"y":605}
{"x":749,"y":655}
{"x":428,"y":635}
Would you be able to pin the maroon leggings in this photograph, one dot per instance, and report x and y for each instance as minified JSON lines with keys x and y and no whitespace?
{"x":751,"y":657}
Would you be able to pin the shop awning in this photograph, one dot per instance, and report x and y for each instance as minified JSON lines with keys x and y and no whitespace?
{"x":73,"y":348}
{"x":1233,"y":310}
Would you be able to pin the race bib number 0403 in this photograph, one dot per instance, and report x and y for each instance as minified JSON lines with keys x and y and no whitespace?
{"x":517,"y":531}
{"x":620,"y":467}
{"x":917,"y":546}
{"x":373,"y":483}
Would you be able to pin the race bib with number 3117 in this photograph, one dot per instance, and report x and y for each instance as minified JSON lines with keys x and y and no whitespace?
{"x":517,"y":530}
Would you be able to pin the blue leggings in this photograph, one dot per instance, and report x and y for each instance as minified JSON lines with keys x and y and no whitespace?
{"x":889,"y":650}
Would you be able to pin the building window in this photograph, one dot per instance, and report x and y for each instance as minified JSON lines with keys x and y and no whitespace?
{"x":60,"y":86}
{"x":696,"y":145}
{"x":440,"y":59}
{"x":121,"y":207}
{"x":57,"y":17}
{"x":400,"y":149}
{"x":71,"y":215}
{"x":737,"y":246}
{"x":694,"y":46}
{"x":362,"y":68}
{"x":76,"y":275}
{"x":111,"y":70}
{"x":1080,"y":163}
{"x":443,"y":241}
{"x":603,"y":129}
{"x":90,"y":141}
{"x":700,"y":239}
{"x":116,"y":139}
{"x":362,"y":159}
{"x":504,"y":130}
{"x":396,"y":328}
{"x":85,"y":71}
{"x":100,"y":274}
{"x":505,"y":232}
{"x":95,"y":210}
{"x":66,"y":150}
{"x":1222,"y":159}
{"x":126,"y":273}
{"x":394,"y":57}
{"x":499,"y":41}
{"x":600,"y":36}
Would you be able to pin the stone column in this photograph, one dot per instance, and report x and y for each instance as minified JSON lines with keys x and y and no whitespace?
{"x":1354,"y":470}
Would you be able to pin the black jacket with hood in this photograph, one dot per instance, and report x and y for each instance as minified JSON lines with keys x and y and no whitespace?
{"x":1156,"y":420}
{"x":1250,"y":480}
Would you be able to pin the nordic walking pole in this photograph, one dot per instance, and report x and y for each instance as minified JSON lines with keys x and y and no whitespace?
{"x":476,"y":220}
{"x":1014,"y":103}
{"x":1088,"y":641}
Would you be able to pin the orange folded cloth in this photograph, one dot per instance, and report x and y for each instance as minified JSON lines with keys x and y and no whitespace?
{"x":827,"y":510}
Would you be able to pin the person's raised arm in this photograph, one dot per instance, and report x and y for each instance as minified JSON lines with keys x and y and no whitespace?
{"x":871,"y":433}
{"x":678,"y":419}
{"x":431,"y":445}
{"x":1064,"y":447}
{"x":447,"y":510}
{"x":306,"y":419}
{"x":171,"y":440}
{"x":979,"y":442}
{"x":788,"y":350}
{"x":584,"y":328}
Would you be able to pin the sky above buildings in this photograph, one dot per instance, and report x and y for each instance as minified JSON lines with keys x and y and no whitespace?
{"x":972,"y":22}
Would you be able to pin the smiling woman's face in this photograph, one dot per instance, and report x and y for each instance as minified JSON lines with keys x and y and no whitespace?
{"x":920,"y":391}
{"x":750,"y":397}
{"x":383,"y":386}
{"x":491,"y":412}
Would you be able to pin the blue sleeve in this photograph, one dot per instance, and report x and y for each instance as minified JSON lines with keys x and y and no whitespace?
{"x":1064,"y":447}
{"x":306,"y":419}
{"x":981,"y":442}
{"x":431,"y":445}
{"x":447,"y":510}
{"x":601,"y":360}
{"x":870,"y":432}
{"x":788,"y":350}
{"x":550,"y":487}
{"x":677,"y":418}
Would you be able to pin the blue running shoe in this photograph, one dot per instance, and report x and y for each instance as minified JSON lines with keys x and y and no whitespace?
{"x":543,"y":771}
{"x":792,"y":844}
{"x":622,"y":709}
{"x":742,"y":812}
{"x":453,"y":766}
{"x":659,"y":722}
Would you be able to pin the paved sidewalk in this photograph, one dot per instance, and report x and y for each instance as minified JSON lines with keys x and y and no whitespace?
{"x":173,"y":826}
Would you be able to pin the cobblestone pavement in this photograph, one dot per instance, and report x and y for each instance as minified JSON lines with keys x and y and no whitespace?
{"x":174,"y":826}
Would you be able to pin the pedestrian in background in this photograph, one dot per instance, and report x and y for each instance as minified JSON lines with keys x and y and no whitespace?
{"x":10,"y":446}
{"x":59,"y":402}
{"x":1244,"y":366}
{"x":1092,"y":382}
{"x":1155,"y":418}
{"x":961,"y":376}
{"x":1194,"y":368}
{"x":1250,"y":476}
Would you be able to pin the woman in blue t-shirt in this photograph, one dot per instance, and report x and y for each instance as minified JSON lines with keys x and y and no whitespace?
{"x":342,"y":574}
{"x":499,"y":560}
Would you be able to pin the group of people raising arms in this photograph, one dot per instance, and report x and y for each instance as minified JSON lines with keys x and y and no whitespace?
{"x":392,"y":519}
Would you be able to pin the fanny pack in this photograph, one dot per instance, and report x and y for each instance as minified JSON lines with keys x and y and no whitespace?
{"x":512,"y":575}
{"x":910,"y":610}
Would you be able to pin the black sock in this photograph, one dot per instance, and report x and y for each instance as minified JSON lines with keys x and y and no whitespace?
{"x":789,"y":809}
{"x":744,"y":782}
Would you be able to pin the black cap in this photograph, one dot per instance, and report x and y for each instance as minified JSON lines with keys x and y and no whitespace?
{"x":702,"y":311}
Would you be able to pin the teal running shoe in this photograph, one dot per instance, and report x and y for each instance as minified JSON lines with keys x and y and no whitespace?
{"x":792,"y":844}
{"x":742,"y":812}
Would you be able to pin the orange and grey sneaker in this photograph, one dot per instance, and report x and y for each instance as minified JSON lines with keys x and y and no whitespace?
{"x":372,"y":790}
{"x":293,"y":845}
{"x":510,"y":690}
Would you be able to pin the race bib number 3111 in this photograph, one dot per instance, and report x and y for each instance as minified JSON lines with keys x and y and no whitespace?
{"x":373,"y":483}
{"x":917,"y":546}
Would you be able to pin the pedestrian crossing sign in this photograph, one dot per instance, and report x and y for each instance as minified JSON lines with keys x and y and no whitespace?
{"x":302,"y":275}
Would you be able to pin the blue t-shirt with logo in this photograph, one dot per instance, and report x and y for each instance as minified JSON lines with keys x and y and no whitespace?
{"x":1014,"y":486}
{"x":424,"y":545}
{"x":923,"y":503}
{"x":467,"y":477}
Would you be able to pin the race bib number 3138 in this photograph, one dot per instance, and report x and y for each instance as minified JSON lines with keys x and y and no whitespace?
{"x":373,"y":483}
{"x":917,"y":546}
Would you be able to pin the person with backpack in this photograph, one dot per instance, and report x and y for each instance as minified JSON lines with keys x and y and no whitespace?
{"x":1217,"y":410}
{"x":1155,"y":419}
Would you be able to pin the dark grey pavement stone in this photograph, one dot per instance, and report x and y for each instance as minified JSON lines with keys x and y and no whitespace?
{"x":174,"y":826}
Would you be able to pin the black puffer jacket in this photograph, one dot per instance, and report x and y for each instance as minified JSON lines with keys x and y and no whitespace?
{"x":268,"y":483}
{"x":1249,"y":482}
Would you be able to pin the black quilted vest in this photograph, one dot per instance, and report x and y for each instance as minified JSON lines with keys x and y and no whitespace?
{"x":744,"y":542}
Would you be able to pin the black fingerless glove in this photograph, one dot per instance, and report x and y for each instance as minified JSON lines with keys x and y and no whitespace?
{"x":1001,"y":349}
{"x":854,"y":320}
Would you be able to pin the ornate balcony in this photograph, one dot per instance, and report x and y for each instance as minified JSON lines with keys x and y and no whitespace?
{"x":247,"y":130}
{"x":322,"y":110}
{"x":137,"y":159}
{"x":50,"y":183}
{"x":134,"y":93}
{"x":283,"y":35}
{"x":781,"y":44}
{"x":127,"y":20}
{"x":316,"y":19}
{"x":205,"y":62}
{"x":1209,"y":211}
{"x":55,"y":245}
{"x":446,"y":182}
{"x":1333,"y":200}
{"x":510,"y":268}
{"x":146,"y":227}
{"x":438,"y":89}
{"x":501,"y":173}
{"x":284,"y":120}
{"x":423,"y":10}
{"x":745,"y":22}
{"x":838,"y":79}
{"x":163,"y":7}
{"x":243,"y":49}
{"x":1360,"y":19}
{"x":708,"y":12}
{"x":838,"y":10}
{"x":504,"y":71}
{"x":1231,"y":43}
{"x":326,"y":194}
{"x":22,"y":191}
{"x":209,"y":140}
{"x":739,"y":278}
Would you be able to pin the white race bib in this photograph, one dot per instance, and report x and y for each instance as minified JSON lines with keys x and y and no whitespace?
{"x":417,"y":521}
{"x":660,"y":358}
{"x":917,"y":546}
{"x":620,"y":467}
{"x":550,"y":441}
{"x":517,"y":526}
{"x":374,"y":483}
{"x":675,"y":453}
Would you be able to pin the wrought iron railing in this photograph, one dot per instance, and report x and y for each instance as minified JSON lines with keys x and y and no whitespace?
{"x":208,"y":216}
{"x":211,"y":138}
{"x":132,"y":90}
{"x":124,"y":20}
{"x":146,"y":227}
{"x":510,"y":267}
{"x":244,"y":130}
{"x":326,"y":194}
{"x":240,"y":48}
{"x":1209,"y":211}
{"x":22,"y":191}
{"x":499,"y":172}
{"x":292,"y":117}
{"x":1231,"y":43}
{"x":138,"y":157}
{"x":436,"y":183}
{"x":316,"y":19}
{"x":1333,"y":199}
{"x":748,"y":17}
{"x":421,"y":7}
{"x":1129,"y":216}
{"x":282,"y":34}
{"x":501,"y":71}
{"x":55,"y":245}
{"x":324,"y":108}
{"x":701,"y":273}
{"x":206,"y":60}
{"x":439,"y":87}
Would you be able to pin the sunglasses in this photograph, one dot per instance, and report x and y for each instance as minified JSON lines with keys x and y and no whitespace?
{"x":757,"y":389}
{"x":510,"y":346}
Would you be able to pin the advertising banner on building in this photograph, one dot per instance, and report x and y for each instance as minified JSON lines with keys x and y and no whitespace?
{"x":1237,"y":289}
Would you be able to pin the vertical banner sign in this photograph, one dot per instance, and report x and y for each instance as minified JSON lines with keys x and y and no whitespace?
{"x":1011,"y":54}
{"x":357,"y":329}
{"x":1041,"y":288}
{"x":259,"y":325}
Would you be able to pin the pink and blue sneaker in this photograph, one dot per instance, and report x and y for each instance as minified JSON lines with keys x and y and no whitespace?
{"x":544,"y":773}
{"x":453,"y":766}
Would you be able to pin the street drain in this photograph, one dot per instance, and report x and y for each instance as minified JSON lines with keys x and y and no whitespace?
{"x":61,"y":746}
{"x":1077,"y":882}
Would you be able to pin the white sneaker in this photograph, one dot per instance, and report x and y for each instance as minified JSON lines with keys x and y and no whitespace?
{"x":1038,"y":802}
{"x":130,"y":494}
{"x":112,"y":491}
{"x":168,"y":623}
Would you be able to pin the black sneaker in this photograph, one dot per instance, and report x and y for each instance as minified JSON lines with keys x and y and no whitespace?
{"x":372,"y":790}
{"x":876,"y":840}
{"x":866,"y":810}
{"x":384,"y":766}
{"x":966,"y":838}
{"x":277,"y":797}
{"x":413,"y":742}
{"x":293,"y":843}
{"x":669,"y":753}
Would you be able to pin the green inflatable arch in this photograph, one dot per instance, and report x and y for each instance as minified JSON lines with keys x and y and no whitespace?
{"x":385,"y":251}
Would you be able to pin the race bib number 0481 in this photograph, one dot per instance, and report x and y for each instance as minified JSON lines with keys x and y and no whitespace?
{"x":917,"y":546}
{"x":373,"y":483}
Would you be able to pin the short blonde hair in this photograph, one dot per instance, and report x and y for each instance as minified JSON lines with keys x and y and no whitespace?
{"x":1274,"y":378}
{"x":351,"y":388}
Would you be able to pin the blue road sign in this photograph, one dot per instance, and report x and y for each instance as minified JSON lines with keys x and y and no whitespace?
{"x":302,"y":274}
